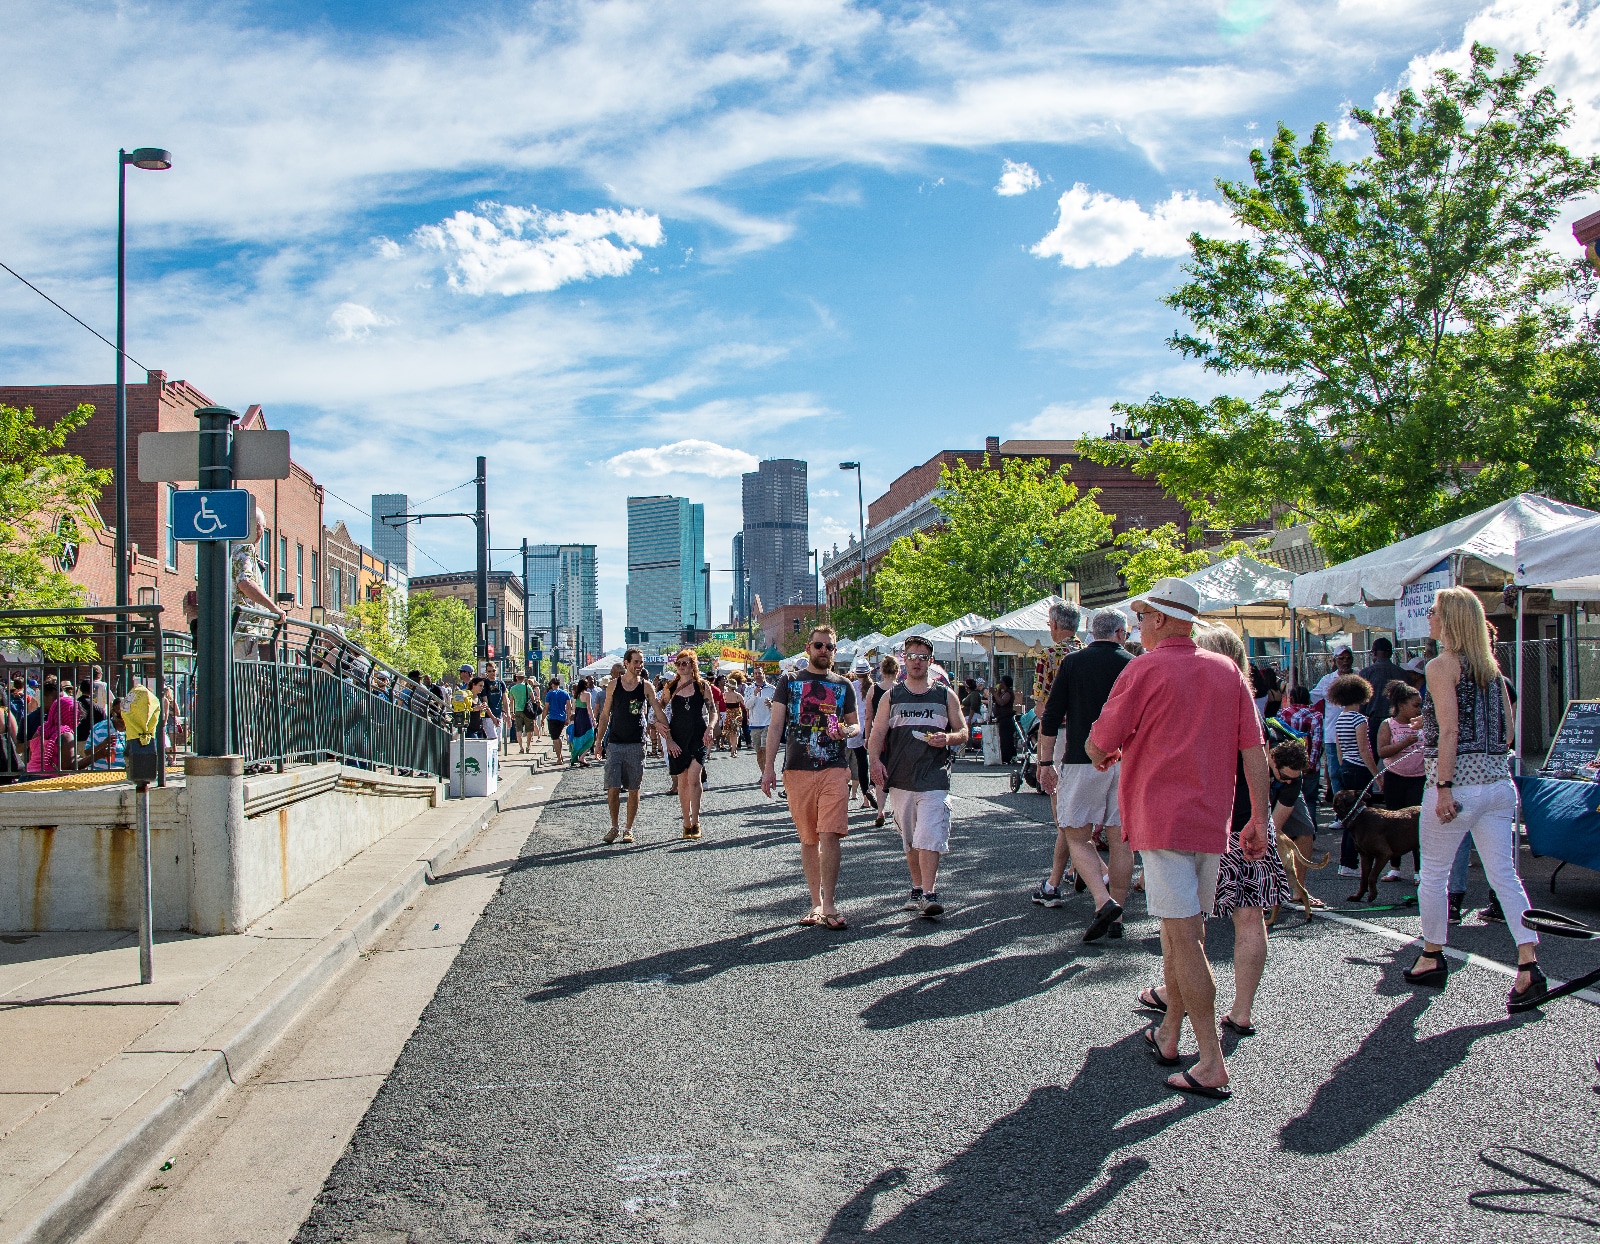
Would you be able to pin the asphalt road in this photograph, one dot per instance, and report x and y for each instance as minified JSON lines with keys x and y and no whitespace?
{"x":640,"y":1044}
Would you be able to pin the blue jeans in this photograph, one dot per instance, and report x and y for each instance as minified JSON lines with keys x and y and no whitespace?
{"x":1458,"y":870}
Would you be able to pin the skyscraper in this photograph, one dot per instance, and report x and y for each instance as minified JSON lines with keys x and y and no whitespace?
{"x":392,"y":542}
{"x":669,"y":579}
{"x":739,"y":609}
{"x":777,"y":534}
{"x":574,"y":571}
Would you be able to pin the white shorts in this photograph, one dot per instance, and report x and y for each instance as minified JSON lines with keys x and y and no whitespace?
{"x":923,"y":817}
{"x":1086,"y":796}
{"x":1179,"y":884}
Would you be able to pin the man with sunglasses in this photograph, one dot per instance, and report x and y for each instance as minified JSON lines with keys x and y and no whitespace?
{"x":820,"y":708}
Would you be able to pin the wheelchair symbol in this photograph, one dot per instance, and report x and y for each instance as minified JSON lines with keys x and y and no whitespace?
{"x":207,"y":520}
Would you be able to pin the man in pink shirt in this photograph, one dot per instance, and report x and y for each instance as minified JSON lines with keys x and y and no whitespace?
{"x":1176,"y":719}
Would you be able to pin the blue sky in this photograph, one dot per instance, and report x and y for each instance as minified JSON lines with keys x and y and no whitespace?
{"x":634,"y":247}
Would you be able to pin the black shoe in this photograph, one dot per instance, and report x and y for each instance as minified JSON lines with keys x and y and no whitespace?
{"x":1435,"y":976}
{"x":1527,"y":999}
{"x":1110,"y":912}
{"x":1079,"y":885}
{"x":1492,"y":913}
{"x":1115,"y":931}
{"x":1455,"y":907}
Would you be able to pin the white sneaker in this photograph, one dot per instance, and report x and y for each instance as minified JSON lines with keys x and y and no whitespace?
{"x":1392,"y":875}
{"x":1349,"y":872}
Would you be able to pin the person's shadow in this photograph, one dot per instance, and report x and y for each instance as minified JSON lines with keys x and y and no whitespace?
{"x":1024,"y":1179}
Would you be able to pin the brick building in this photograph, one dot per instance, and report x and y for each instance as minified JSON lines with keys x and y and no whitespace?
{"x":506,"y":607}
{"x":161,"y":569}
{"x":908,"y":507}
{"x":342,"y":579}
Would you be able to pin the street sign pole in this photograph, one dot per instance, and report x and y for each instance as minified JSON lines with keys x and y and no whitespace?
{"x":213,"y":641}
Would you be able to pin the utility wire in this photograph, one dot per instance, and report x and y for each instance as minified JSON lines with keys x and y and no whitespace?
{"x":414,"y":543}
{"x":69,"y":314}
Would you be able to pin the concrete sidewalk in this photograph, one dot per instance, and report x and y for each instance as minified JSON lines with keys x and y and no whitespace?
{"x":100,"y":1074}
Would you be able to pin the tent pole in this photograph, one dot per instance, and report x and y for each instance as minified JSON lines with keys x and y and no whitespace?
{"x":1521,"y":714}
{"x":1294,"y":622}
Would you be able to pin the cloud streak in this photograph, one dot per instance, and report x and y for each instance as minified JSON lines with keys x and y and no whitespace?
{"x":1098,"y":230}
{"x":692,"y":457}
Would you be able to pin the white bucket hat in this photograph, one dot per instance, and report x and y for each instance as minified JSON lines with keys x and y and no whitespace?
{"x":1173,"y":597}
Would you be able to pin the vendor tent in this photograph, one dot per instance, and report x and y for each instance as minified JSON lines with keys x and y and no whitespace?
{"x":1019,"y":632}
{"x":871,"y":645}
{"x":600,"y":667}
{"x":947,"y":644}
{"x":1481,"y":547}
{"x":1566,"y":560}
{"x":899,"y":637}
{"x":1247,"y":596}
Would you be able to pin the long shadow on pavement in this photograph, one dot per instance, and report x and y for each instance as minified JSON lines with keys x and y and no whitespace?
{"x":1038,"y":1173}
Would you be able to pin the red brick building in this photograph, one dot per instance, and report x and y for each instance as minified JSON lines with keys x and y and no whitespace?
{"x":908,"y":506}
{"x":162,"y":569}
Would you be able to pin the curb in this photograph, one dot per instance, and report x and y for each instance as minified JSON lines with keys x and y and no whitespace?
{"x":191,"y":1088}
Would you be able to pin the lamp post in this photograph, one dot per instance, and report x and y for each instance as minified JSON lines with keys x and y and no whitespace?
{"x":154,"y":159}
{"x":861,"y":516}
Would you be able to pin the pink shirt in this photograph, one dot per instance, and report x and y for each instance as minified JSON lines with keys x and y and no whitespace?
{"x":1181,"y":716}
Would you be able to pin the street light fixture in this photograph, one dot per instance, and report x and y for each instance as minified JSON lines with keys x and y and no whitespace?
{"x":861,"y":514}
{"x":155,"y":160}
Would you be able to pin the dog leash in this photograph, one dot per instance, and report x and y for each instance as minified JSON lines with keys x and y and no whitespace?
{"x":1558,"y":925}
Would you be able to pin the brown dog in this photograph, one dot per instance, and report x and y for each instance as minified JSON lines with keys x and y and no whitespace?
{"x":1381,"y":835}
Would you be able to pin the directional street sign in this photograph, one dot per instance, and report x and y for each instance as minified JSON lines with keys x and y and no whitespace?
{"x":212,"y":513}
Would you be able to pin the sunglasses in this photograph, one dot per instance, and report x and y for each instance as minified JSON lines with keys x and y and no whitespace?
{"x":919,"y":656}
{"x":824,"y":647}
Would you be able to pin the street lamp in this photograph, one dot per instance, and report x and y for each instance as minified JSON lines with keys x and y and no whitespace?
{"x":155,"y":160}
{"x":861,"y":514}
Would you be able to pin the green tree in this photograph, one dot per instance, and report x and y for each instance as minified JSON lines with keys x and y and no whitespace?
{"x":1009,"y":536}
{"x":1143,"y":556}
{"x":1425,"y":355}
{"x":433,"y":634}
{"x":39,"y":485}
{"x":860,"y":609}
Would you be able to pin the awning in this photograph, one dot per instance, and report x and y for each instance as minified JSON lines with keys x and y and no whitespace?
{"x":1249,"y":597}
{"x":1484,"y":545}
{"x":1566,"y":560}
{"x":1019,"y":632}
{"x":947,"y":646}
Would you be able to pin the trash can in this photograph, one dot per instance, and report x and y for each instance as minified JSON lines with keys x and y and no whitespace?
{"x":474,"y":768}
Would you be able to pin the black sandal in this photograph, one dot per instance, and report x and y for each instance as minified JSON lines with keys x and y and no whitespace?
{"x":1435,"y":976}
{"x":1154,"y":1042}
{"x":1150,"y":1000}
{"x":1527,"y":999}
{"x":1238,"y":1030}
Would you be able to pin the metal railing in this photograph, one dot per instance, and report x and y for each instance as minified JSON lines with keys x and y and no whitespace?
{"x":304,"y":693}
{"x":63,"y":671}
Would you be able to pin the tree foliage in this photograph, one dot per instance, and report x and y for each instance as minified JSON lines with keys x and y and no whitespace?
{"x":38,"y":485}
{"x":1143,"y":556}
{"x":433,"y":634}
{"x":1009,"y":536}
{"x":1425,"y":355}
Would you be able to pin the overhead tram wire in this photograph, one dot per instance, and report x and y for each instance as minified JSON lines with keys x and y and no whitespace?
{"x":70,"y":316}
{"x":414,"y":542}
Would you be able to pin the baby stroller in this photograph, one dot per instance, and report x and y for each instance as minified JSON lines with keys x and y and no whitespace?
{"x":1025,"y":765}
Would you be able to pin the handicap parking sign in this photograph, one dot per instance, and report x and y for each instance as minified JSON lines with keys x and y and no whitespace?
{"x":212,"y":513}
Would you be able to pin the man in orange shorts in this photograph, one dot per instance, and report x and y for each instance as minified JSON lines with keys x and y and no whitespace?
{"x":820,"y":707}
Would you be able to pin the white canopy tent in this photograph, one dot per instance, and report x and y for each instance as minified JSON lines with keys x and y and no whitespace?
{"x":900,"y":637}
{"x":600,"y":667}
{"x":872,"y":645}
{"x":1566,"y":561}
{"x":1249,"y":597}
{"x":947,"y":643}
{"x":1019,"y":632}
{"x":1481,"y":548}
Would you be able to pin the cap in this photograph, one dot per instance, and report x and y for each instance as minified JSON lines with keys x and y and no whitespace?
{"x":466,"y":665}
{"x":862,"y":666}
{"x":1173,"y":597}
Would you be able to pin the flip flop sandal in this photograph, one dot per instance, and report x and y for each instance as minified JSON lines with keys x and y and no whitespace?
{"x":1151,"y":1001}
{"x":835,"y":922}
{"x":1191,"y":1085}
{"x":811,"y":917}
{"x":1239,"y":1030}
{"x":1154,"y":1043}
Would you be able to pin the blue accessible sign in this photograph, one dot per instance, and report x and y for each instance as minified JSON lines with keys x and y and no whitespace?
{"x":212,"y":513}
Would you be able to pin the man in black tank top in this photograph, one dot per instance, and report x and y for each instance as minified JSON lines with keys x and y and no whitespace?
{"x":913,"y":732}
{"x":623,"y":715}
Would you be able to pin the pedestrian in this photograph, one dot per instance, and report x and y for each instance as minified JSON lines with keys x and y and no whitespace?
{"x":820,"y":708}
{"x":910,"y":740}
{"x":1063,"y":623}
{"x":517,"y":693}
{"x":556,"y":702}
{"x":692,"y":724}
{"x":1085,"y":797}
{"x":1467,"y":731}
{"x":1306,"y":720}
{"x":494,"y":695}
{"x":1404,"y":765}
{"x":1358,"y":763}
{"x":860,"y":767}
{"x":581,"y":728}
{"x":1179,"y":701}
{"x":1005,"y":718}
{"x":1379,"y":675}
{"x":622,"y":725}
{"x":477,"y":708}
{"x":887,"y":680}
{"x":758,"y":709}
{"x":1343,"y":663}
{"x":718,"y":703}
{"x":733,"y":712}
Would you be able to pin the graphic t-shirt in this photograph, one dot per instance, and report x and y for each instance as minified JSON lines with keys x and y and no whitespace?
{"x":816,"y":702}
{"x":556,"y":703}
{"x":495,"y":693}
{"x":626,"y":723}
{"x":910,"y":762}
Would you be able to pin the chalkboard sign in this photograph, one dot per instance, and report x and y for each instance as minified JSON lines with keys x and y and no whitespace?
{"x":1576,"y":749}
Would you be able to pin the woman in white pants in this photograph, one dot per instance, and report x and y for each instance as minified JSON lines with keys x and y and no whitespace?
{"x":1466,"y":739}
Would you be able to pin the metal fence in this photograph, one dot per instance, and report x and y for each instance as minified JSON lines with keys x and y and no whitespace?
{"x":304,"y":693}
{"x":63,"y":670}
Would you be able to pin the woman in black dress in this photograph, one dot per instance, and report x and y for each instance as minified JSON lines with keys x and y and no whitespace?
{"x":1005,"y":718}
{"x":688,"y":735}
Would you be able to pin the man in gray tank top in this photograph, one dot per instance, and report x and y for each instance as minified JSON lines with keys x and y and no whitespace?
{"x":916,"y":726}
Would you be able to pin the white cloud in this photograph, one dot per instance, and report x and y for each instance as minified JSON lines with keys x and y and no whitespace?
{"x":1066,"y":421}
{"x":350,"y":320}
{"x":515,"y":250}
{"x":1016,"y":179}
{"x":1097,"y":230}
{"x":683,"y":458}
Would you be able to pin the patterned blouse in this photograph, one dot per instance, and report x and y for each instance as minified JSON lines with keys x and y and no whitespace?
{"x":1483,"y":752}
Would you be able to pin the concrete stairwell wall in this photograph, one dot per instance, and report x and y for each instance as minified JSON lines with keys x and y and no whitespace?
{"x":224,"y":849}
